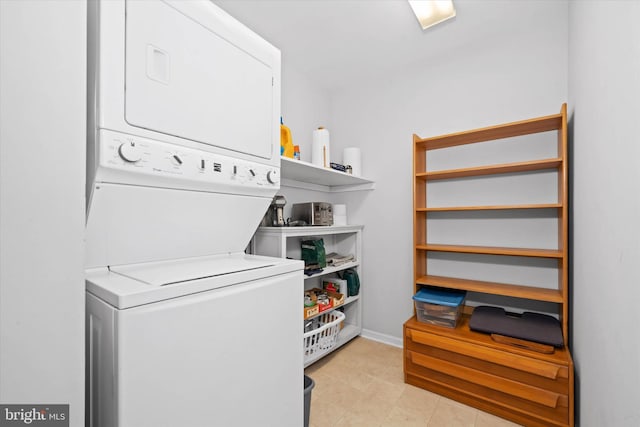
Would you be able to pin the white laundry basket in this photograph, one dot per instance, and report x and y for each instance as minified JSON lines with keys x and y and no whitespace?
{"x":322,"y":339}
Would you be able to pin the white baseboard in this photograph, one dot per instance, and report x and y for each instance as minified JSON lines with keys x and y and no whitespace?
{"x":383,"y":338}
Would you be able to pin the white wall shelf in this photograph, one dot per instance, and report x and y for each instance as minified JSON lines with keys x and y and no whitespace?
{"x":299,"y":174}
{"x":313,"y":230}
{"x":284,"y":242}
{"x":329,"y":270}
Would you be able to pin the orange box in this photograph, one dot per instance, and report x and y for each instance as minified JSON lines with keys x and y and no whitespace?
{"x":319,"y":308}
{"x":311,"y":311}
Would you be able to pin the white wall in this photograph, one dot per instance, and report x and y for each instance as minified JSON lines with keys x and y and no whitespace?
{"x":42,"y":168}
{"x":485,"y":83}
{"x":305,"y":107}
{"x":604,"y":83}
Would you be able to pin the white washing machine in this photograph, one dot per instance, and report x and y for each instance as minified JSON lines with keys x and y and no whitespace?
{"x":183,"y":328}
{"x":218,"y":347}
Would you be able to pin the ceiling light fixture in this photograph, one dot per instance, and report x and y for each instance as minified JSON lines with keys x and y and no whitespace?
{"x":432,"y":12}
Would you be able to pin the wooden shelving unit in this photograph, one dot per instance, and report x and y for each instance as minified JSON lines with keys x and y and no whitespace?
{"x":469,"y":366}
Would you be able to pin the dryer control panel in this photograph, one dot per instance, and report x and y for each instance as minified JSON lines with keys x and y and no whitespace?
{"x":134,"y":160}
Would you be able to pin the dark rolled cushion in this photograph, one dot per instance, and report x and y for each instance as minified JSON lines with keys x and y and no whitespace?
{"x":528,"y":326}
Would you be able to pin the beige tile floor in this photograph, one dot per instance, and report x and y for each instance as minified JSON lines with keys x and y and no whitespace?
{"x":362,"y":384}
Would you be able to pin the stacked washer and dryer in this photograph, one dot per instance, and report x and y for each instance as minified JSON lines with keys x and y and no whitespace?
{"x":183,"y":328}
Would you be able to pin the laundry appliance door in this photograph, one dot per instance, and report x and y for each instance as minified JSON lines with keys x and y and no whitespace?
{"x":227,"y":357}
{"x":191,"y":73}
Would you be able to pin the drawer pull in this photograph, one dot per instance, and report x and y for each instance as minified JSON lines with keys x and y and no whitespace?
{"x":527,"y":345}
{"x":504,"y":385}
{"x":510,"y":360}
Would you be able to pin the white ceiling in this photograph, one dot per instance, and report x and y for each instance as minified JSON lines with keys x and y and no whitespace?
{"x":338,"y":42}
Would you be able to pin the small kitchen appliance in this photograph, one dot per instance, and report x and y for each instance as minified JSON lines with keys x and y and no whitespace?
{"x":274,"y":216}
{"x":313,"y":213}
{"x":277,"y":205}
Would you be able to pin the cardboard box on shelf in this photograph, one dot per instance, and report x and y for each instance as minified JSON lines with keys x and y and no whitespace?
{"x":319,"y":304}
{"x":333,"y":300}
{"x":311,"y":311}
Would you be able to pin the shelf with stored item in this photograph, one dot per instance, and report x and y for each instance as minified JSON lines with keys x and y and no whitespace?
{"x":299,"y":174}
{"x":495,"y":288}
{"x":285,"y":242}
{"x":346,"y":302}
{"x":329,"y":270}
{"x":484,"y":229}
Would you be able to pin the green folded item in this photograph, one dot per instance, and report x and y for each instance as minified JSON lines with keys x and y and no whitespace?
{"x":313,"y":253}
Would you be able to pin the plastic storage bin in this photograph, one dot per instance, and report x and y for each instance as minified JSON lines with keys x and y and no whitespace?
{"x":322,"y":339}
{"x":439,"y":307}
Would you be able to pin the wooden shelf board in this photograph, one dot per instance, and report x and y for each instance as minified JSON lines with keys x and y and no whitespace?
{"x":490,"y":208}
{"x":493,"y":250}
{"x":516,"y":291}
{"x":552,"y":163}
{"x":508,"y":130}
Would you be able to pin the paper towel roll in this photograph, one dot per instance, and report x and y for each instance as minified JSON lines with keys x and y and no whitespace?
{"x":351,"y":157}
{"x":339,"y":214}
{"x":339,"y":220}
{"x":339,"y":209}
{"x":320,"y":148}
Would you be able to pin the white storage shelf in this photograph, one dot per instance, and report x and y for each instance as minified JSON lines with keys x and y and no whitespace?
{"x":299,"y":174}
{"x":347,"y":301}
{"x":285,"y":242}
{"x":328,"y":270}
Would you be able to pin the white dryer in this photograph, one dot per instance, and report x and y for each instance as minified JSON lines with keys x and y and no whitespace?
{"x":184,"y":328}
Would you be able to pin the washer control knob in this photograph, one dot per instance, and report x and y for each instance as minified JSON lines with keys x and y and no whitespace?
{"x":272,"y":177}
{"x":129,"y":152}
{"x":252,"y":173}
{"x":176,"y":160}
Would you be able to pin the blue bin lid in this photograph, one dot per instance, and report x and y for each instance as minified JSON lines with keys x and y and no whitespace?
{"x":440,"y":296}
